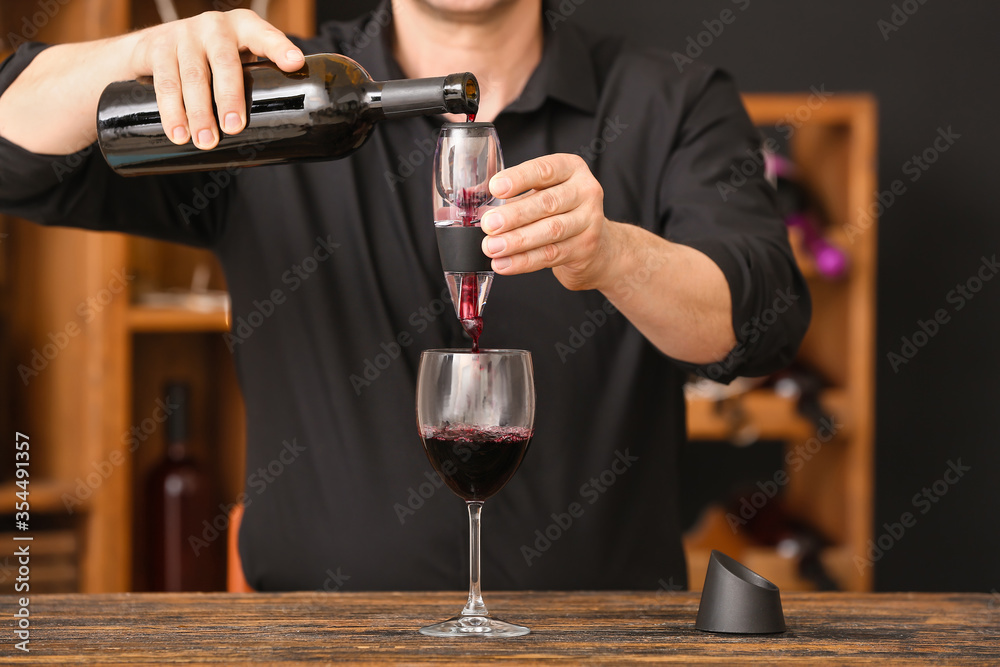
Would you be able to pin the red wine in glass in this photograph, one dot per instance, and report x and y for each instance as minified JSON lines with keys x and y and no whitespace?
{"x":475,"y":463}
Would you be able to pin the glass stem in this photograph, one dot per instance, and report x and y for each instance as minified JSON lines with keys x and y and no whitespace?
{"x":475,"y":606}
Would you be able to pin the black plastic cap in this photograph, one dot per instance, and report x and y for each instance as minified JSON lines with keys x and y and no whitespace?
{"x":737,"y":600}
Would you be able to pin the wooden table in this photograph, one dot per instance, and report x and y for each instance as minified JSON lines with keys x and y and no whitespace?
{"x":607,"y":627}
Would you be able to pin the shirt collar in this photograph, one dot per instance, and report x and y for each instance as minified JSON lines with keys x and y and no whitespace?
{"x":565,"y":74}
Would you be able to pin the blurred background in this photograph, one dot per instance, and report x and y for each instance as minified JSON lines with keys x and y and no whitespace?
{"x":924,"y":442}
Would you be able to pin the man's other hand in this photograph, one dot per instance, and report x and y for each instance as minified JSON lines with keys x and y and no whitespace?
{"x":558,"y":222}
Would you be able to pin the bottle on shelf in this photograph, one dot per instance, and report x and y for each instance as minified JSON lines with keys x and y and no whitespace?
{"x":775,"y":526}
{"x":324,"y":111}
{"x":179,"y":498}
{"x":804,"y":384}
{"x":798,"y":207}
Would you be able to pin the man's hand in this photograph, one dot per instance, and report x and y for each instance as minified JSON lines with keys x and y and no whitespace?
{"x":193,"y":60}
{"x":557,"y":223}
{"x":675,"y":295}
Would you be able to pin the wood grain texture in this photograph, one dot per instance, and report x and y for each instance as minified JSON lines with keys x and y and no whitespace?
{"x":843,"y":628}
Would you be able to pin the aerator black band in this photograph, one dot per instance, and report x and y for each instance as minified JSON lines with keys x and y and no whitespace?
{"x":461,"y":249}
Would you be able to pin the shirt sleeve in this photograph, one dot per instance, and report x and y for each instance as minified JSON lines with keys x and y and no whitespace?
{"x":714,"y":198}
{"x":80,"y":189}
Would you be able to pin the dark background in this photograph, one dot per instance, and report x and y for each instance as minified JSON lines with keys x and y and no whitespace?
{"x":937,"y":71}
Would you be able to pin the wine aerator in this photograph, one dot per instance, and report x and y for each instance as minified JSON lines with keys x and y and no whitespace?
{"x":468,"y":155}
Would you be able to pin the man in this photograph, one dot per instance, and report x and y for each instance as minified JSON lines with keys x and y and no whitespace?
{"x":653,"y":274}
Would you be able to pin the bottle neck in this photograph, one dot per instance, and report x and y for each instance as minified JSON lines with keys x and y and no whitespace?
{"x":455,"y":93}
{"x":177,"y":421}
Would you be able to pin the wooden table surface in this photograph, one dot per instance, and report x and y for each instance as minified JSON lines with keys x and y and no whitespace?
{"x":228,"y":628}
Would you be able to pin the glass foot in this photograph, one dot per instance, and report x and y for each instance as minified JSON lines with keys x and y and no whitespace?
{"x":470,"y":626}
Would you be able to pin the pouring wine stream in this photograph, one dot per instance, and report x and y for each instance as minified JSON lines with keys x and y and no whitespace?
{"x":469,"y":309}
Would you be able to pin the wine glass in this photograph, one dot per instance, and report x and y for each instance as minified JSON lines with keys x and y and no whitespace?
{"x":476,"y":415}
{"x":467,"y":156}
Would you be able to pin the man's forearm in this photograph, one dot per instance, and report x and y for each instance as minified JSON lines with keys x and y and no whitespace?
{"x":51,"y":107}
{"x":674,"y":295}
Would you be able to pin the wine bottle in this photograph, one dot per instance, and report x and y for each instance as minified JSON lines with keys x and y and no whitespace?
{"x":324,"y":111}
{"x":798,"y":206}
{"x":180,"y":499}
{"x":805,"y":384}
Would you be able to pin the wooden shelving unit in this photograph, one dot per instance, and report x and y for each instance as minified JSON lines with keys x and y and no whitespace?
{"x":79,"y":410}
{"x":151,"y":319}
{"x":834,"y":147}
{"x":776,"y":417}
{"x":45,"y":497}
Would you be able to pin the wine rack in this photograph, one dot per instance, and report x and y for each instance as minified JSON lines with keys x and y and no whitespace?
{"x":834,"y":149}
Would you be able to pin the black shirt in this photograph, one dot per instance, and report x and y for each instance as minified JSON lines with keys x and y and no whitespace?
{"x":336,"y":287}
